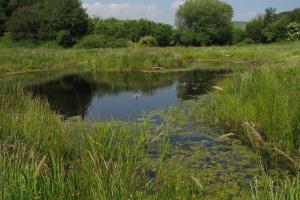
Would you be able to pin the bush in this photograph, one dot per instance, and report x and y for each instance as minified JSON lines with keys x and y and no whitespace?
{"x":101,"y":41}
{"x":293,"y":31}
{"x":276,"y":31}
{"x":64,"y":38}
{"x":148,"y":41}
{"x":239,"y":35}
{"x":245,"y":42}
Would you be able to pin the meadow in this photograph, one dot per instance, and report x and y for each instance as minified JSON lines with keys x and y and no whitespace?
{"x":45,"y":157}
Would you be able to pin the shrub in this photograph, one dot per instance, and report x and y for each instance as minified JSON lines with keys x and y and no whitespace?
{"x":293,"y":32}
{"x":239,"y":35}
{"x":248,"y":41}
{"x":148,"y":41}
{"x":64,"y":38}
{"x":276,"y":31}
{"x":101,"y":41}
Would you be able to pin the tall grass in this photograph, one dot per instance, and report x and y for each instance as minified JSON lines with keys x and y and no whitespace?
{"x":19,"y":59}
{"x":42,"y":157}
{"x":265,"y":100}
{"x":262,"y":107}
{"x":267,"y":188}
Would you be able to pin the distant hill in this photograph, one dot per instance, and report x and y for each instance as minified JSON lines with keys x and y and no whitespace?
{"x":240,"y":24}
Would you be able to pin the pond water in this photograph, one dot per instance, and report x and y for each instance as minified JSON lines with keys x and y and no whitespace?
{"x":104,"y":96}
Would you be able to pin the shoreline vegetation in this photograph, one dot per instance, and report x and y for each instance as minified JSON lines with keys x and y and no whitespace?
{"x":45,"y":157}
{"x":14,"y":60}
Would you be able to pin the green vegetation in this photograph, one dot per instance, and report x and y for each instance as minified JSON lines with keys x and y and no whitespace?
{"x":204,"y":22}
{"x":198,"y":23}
{"x":43,"y":156}
{"x":101,"y":41}
{"x":272,"y":27}
{"x":14,"y":60}
{"x":261,"y":102}
{"x":133,"y":30}
{"x":265,"y":99}
{"x":45,"y":20}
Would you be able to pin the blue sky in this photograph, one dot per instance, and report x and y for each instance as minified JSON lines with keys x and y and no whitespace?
{"x":164,"y":10}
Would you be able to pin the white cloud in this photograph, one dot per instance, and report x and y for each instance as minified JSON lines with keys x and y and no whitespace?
{"x":124,"y":10}
{"x":175,"y":5}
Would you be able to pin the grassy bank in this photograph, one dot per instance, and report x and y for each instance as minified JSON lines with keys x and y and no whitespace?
{"x":261,"y":107}
{"x":43,"y":157}
{"x":265,"y":99}
{"x":19,"y":59}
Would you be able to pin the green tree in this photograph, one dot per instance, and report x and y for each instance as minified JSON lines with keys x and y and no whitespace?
{"x":7,"y":7}
{"x":24,"y":24}
{"x":277,"y":30}
{"x":270,"y":16}
{"x":205,"y":22}
{"x":255,"y":28}
{"x":63,"y":15}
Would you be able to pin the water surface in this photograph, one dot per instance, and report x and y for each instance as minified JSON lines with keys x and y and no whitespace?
{"x":104,"y":96}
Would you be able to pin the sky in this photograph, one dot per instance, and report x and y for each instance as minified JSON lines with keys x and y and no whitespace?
{"x":164,"y":10}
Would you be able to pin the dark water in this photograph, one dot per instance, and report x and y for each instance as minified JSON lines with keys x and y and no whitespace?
{"x":104,"y":96}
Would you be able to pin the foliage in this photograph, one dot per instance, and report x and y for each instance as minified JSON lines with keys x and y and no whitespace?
{"x":64,"y":38}
{"x":148,"y":41}
{"x":101,"y":41}
{"x":255,"y":29}
{"x":45,"y":20}
{"x":133,"y":30}
{"x":239,"y":35}
{"x":276,"y":31}
{"x":293,"y":31}
{"x":24,"y":24}
{"x":8,"y":7}
{"x":62,"y":15}
{"x":272,"y":27}
{"x":205,"y":22}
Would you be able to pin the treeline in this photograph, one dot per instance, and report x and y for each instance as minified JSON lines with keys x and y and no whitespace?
{"x":198,"y":23}
{"x":43,"y":20}
{"x":272,"y":27}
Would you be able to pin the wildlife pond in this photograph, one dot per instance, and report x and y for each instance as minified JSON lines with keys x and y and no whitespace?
{"x":132,"y":96}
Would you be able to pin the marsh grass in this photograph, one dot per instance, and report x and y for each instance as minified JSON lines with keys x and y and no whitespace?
{"x":44,"y":157}
{"x":112,"y":160}
{"x":262,"y":108}
{"x":19,"y":58}
{"x":267,"y":98}
{"x":268,"y":188}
